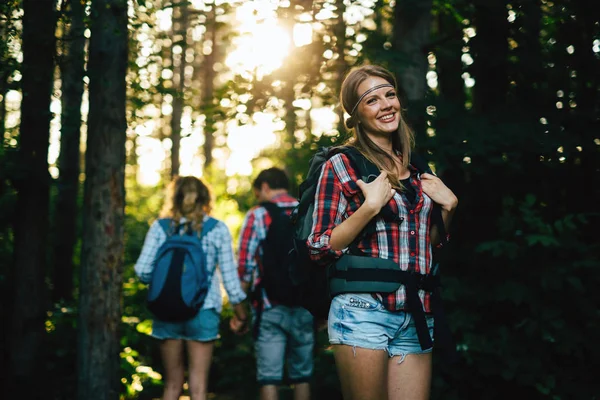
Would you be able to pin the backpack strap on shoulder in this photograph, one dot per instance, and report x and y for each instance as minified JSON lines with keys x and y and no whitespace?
{"x":367,"y":171}
{"x":272,"y":209}
{"x":436,"y":214}
{"x":208,"y":225}
{"x":165,"y":223}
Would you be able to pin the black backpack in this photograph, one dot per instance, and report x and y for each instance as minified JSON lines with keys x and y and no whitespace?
{"x":275,"y":276}
{"x":355,"y":272}
{"x":312,"y":280}
{"x":276,"y":258}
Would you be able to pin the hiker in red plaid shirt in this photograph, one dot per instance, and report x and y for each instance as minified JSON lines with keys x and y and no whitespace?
{"x":283,"y":332}
{"x":377,"y":352}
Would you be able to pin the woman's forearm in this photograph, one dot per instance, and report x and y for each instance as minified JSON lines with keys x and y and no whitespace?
{"x":343,"y":234}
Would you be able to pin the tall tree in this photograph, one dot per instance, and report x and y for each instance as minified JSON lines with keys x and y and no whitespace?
{"x":412,"y":30}
{"x":104,"y":201}
{"x":32,"y":184}
{"x":72,"y":74}
{"x":448,"y":52}
{"x":180,"y":27}
{"x":208,"y":71}
{"x":490,"y":51}
{"x":341,"y":65}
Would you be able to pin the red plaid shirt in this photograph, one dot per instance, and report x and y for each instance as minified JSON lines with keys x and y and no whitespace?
{"x":254,"y":231}
{"x":402,"y":229}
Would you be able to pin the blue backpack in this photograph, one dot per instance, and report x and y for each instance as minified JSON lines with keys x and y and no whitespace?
{"x":180,"y":279}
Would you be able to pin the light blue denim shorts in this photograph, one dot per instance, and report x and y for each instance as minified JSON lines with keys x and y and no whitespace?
{"x":286,"y":335}
{"x":357,"y":319}
{"x":204,"y":327}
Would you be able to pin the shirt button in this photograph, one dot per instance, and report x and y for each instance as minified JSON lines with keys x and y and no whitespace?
{"x":412,"y":211}
{"x":412,"y":254}
{"x":412,"y":232}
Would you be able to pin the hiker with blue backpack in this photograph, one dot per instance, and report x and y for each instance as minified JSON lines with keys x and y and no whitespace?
{"x":179,"y":258}
{"x":375,"y":234}
{"x":282,"y":330}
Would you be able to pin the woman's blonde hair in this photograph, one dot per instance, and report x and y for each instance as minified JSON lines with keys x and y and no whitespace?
{"x":176,"y":199}
{"x":403,"y":140}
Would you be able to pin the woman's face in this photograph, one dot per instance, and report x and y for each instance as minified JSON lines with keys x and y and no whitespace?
{"x":189,"y":202}
{"x":379,"y":111}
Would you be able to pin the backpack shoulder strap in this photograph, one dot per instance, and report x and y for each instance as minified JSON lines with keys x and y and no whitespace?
{"x":420,"y":164}
{"x":436,"y":214}
{"x":165,"y":223}
{"x":366,"y":170}
{"x":208,"y":225}
{"x":273,"y":209}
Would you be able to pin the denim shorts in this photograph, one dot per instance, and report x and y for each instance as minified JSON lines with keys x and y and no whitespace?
{"x":285,"y":334}
{"x":204,"y":327}
{"x":357,"y":319}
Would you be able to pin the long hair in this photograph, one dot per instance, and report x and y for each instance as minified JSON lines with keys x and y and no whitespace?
{"x":403,"y":140}
{"x":181,"y":202}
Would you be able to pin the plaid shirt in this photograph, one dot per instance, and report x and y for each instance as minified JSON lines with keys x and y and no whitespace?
{"x":217,"y":245}
{"x":254,"y":231}
{"x":402,"y":228}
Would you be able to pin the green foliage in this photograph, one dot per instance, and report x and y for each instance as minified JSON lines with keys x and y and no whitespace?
{"x":521,"y":310}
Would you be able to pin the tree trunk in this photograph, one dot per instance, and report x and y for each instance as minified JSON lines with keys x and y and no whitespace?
{"x":72,"y":74}
{"x":530,"y":74}
{"x":339,"y":31}
{"x":208,"y":89}
{"x":180,"y":25}
{"x":490,"y":52}
{"x":449,"y":63}
{"x":104,"y":201}
{"x":32,"y":184}
{"x":412,"y":30}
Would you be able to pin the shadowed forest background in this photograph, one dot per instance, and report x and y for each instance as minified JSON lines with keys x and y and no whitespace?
{"x":103,"y":101}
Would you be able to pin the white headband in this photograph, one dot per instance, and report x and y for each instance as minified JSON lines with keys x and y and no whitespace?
{"x":367,"y":92}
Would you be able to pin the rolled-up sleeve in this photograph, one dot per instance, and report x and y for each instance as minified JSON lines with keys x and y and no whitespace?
{"x":329,"y":209}
{"x":144,"y":265}
{"x":226,"y":262}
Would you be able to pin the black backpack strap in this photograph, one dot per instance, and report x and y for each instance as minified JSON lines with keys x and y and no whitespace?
{"x":443,"y":333}
{"x":436,"y":214}
{"x":367,"y":171}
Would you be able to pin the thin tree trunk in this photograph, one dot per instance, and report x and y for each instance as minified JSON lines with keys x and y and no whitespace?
{"x":412,"y":31}
{"x":530,"y":72}
{"x":490,"y":52}
{"x":180,"y":25}
{"x":341,"y":66}
{"x":72,"y":74}
{"x":208,"y":89}
{"x":32,"y":184}
{"x":104,"y":201}
{"x":449,"y":63}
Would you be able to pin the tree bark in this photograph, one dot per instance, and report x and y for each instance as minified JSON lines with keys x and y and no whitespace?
{"x":412,"y":30}
{"x":341,"y":67}
{"x":180,"y":25}
{"x":104,"y":201}
{"x":490,"y":54}
{"x":65,"y":225}
{"x":449,"y":64}
{"x":32,"y":184}
{"x":208,"y":89}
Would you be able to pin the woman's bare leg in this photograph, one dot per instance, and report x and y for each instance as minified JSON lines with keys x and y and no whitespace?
{"x":409,"y":379}
{"x":363,"y":372}
{"x":172,"y":356}
{"x":199,"y":358}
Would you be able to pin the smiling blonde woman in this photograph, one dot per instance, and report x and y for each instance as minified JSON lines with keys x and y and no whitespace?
{"x":379,"y":349}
